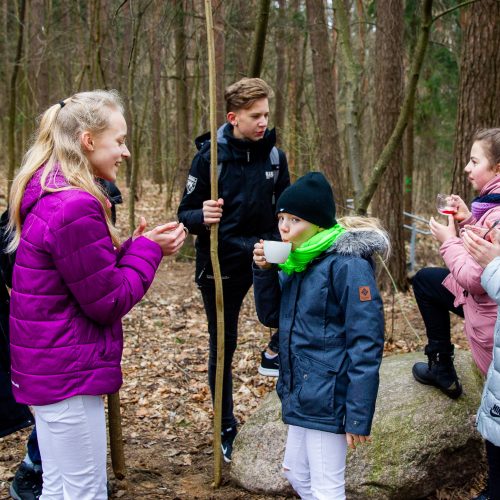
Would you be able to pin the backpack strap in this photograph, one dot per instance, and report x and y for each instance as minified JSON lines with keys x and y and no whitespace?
{"x":274,"y":156}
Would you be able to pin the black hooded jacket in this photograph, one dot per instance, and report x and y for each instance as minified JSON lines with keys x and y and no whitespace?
{"x":247,"y":186}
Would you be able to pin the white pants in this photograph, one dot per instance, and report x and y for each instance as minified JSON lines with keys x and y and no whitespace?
{"x":314,"y":463}
{"x":72,"y":440}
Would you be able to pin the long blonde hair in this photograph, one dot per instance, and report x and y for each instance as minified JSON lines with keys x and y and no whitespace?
{"x":357,"y":223}
{"x":57,"y":141}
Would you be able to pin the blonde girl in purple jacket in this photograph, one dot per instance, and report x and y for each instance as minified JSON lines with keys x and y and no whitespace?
{"x":458,"y":287}
{"x":72,"y":283}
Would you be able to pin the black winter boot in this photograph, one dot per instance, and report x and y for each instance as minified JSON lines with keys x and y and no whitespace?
{"x":439,"y":372}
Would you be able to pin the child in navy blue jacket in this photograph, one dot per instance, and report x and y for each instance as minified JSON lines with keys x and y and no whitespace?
{"x":331,"y":330}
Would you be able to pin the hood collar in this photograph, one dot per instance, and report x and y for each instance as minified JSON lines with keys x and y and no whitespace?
{"x":361,"y":243}
{"x":231,"y":148}
{"x":492,"y":187}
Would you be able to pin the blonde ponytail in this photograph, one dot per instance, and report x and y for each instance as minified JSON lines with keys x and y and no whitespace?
{"x":57,"y":146}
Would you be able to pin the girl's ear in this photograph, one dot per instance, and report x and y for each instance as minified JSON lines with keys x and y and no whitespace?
{"x":87,"y":141}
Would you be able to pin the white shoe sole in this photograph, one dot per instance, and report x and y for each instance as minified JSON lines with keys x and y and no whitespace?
{"x":13,"y":494}
{"x":268,"y":372}
{"x":227,"y":460}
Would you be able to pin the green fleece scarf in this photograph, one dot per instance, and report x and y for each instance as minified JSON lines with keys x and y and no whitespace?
{"x":299,"y":258}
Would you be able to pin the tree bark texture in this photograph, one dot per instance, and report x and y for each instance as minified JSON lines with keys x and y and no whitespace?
{"x":181,"y":97}
{"x":389,"y":86}
{"x":214,"y":253}
{"x":155,"y":55}
{"x":220,"y":56}
{"x":259,"y":41}
{"x":393,"y":142}
{"x":295,"y":71}
{"x":13,"y":97}
{"x":280,"y":95}
{"x":479,"y":89}
{"x":351,"y":96}
{"x":330,"y":160}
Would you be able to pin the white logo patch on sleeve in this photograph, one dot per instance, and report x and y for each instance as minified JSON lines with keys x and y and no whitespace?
{"x":191,"y":184}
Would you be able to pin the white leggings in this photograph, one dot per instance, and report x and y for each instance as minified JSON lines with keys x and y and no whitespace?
{"x":314,"y":463}
{"x":72,"y":440}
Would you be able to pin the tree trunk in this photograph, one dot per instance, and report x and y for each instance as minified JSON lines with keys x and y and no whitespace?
{"x":39,"y":29}
{"x":220,"y":57}
{"x":479,"y":89}
{"x":13,"y":97}
{"x":393,"y":142}
{"x":181,"y":97}
{"x":409,"y":161}
{"x":295,"y":69}
{"x":279,"y":103}
{"x":155,"y":53}
{"x":259,"y":41}
{"x":389,"y":85}
{"x":330,"y":160}
{"x":134,"y":160}
{"x":351,"y":97}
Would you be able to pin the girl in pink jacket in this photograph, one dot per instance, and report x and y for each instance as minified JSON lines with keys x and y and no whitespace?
{"x":72,"y":283}
{"x":458,"y":288}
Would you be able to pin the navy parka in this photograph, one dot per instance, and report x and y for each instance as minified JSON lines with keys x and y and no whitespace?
{"x":331,"y":331}
{"x":247,"y":185}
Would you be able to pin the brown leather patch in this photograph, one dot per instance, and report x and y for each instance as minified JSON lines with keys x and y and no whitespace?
{"x":364,"y":293}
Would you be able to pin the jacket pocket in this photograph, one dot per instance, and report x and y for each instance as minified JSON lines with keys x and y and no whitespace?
{"x":317,"y":387}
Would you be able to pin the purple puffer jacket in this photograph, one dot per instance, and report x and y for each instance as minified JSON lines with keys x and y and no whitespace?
{"x":70,"y":291}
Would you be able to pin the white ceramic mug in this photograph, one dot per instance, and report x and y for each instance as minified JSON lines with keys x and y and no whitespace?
{"x":276,"y":252}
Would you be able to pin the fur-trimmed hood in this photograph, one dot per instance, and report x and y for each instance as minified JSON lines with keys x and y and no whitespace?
{"x":362,"y":242}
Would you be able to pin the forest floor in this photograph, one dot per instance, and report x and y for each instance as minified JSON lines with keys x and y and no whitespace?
{"x":165,"y":401}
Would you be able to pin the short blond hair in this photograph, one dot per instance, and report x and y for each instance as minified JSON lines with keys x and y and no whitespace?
{"x":243,"y":93}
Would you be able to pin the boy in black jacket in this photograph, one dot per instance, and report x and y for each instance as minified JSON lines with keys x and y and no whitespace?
{"x":252,"y":174}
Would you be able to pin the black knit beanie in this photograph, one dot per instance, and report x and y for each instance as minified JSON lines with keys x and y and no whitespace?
{"x":311,"y":199}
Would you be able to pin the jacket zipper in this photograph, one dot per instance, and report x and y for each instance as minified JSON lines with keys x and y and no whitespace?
{"x":248,"y":156}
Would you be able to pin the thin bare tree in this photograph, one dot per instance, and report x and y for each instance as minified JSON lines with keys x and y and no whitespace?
{"x":330,"y":159}
{"x":479,"y":90}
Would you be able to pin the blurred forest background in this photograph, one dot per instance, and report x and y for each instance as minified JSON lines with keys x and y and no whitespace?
{"x":382,"y":95}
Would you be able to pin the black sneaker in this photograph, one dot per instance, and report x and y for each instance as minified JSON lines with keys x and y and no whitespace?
{"x":27,"y":484}
{"x":227,"y":438}
{"x":269,"y":367}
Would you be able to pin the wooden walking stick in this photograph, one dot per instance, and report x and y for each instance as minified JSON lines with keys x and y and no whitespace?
{"x":115,"y":435}
{"x":214,"y":244}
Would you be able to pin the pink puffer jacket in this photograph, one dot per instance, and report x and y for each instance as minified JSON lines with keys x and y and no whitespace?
{"x":464,"y":282}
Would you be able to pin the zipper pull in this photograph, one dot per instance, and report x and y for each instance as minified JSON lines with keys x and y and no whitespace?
{"x":248,"y":156}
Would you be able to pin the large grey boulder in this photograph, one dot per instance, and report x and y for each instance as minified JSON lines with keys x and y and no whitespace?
{"x":422,"y":440}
